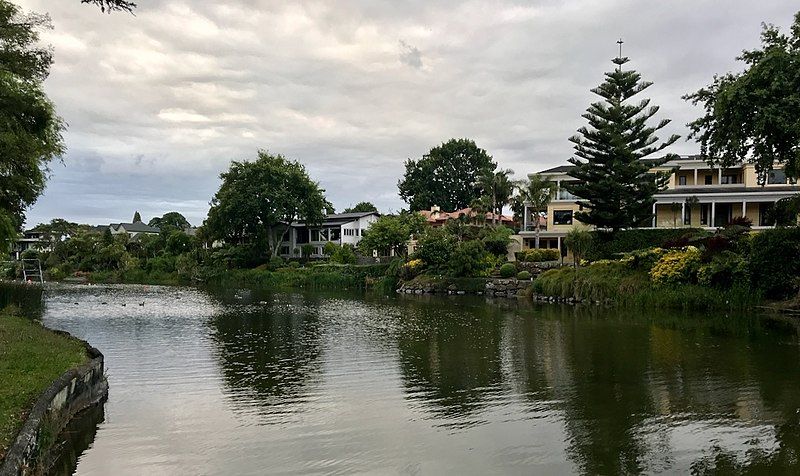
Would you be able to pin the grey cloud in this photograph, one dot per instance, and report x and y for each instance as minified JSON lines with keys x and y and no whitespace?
{"x":159,"y":103}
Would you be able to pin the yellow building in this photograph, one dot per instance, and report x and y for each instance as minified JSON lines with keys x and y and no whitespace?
{"x":696,"y":196}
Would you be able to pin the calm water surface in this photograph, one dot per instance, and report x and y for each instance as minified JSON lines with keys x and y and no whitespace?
{"x":248,"y":382}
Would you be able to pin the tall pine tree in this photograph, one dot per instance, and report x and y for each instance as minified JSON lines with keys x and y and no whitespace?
{"x":613,"y":183}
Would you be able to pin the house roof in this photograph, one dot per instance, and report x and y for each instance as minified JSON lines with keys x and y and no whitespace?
{"x":562,"y":169}
{"x":137,"y":227}
{"x":435,"y":216}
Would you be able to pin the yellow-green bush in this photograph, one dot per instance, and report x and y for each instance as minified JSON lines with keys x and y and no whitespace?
{"x":676,"y":266}
{"x":537,"y":255}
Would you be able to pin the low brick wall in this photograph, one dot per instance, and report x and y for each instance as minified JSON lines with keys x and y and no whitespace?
{"x":77,"y":389}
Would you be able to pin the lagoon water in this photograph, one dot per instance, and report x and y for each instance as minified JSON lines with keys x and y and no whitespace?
{"x":254,"y":382}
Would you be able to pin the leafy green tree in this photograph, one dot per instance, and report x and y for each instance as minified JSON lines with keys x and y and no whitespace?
{"x":537,"y":192}
{"x":258,"y":200}
{"x":498,"y":188}
{"x":446,"y":176}
{"x":30,"y":130}
{"x":755,"y":115}
{"x":361,"y":207}
{"x":170,"y":221}
{"x":136,"y":217}
{"x":496,"y":239}
{"x":614,"y":183}
{"x":470,"y":259}
{"x":435,"y":247}
{"x":390,"y":233}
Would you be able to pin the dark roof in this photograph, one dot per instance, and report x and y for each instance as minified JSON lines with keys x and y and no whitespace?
{"x":339,"y":218}
{"x":138,"y":227}
{"x":559,"y":169}
{"x":728,"y":189}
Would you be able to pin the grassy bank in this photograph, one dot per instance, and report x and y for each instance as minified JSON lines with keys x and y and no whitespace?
{"x":630,"y":287}
{"x":317,"y":276}
{"x":31,"y":358}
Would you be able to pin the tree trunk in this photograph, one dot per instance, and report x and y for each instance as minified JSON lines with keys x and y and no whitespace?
{"x":537,"y":230}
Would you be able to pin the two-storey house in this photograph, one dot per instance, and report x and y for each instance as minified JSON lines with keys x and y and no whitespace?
{"x":697,"y":195}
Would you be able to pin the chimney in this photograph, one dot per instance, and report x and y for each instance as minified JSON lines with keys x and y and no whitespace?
{"x":435,"y":212}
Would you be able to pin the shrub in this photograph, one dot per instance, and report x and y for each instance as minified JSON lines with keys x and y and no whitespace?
{"x":507,"y":270}
{"x":525,"y":275}
{"x":643,"y":260}
{"x":496,"y":239}
{"x":537,"y":255}
{"x":275,"y":262}
{"x":608,"y":245}
{"x":470,"y":259}
{"x":344,"y":254}
{"x":676,"y":266}
{"x":774,"y":261}
{"x":434,"y":248}
{"x":411,"y":269}
{"x":294,"y":264}
{"x":579,"y":242}
{"x":724,"y":270}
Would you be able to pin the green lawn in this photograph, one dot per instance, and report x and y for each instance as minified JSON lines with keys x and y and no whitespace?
{"x":31,"y":357}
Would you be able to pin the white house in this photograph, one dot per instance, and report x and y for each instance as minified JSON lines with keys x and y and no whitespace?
{"x":341,"y":228}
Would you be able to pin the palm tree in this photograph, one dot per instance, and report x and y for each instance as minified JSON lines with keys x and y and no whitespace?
{"x":538,"y":191}
{"x":499,"y":187}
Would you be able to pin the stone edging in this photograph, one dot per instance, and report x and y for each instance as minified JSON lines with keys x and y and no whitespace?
{"x":75,"y":390}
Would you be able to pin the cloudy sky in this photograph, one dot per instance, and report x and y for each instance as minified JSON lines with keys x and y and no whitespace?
{"x":159,"y":103}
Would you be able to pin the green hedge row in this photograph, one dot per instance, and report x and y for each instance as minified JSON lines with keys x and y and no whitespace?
{"x":606,"y":245}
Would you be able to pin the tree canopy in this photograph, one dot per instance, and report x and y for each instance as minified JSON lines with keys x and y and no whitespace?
{"x":497,"y":188}
{"x":30,"y":130}
{"x":390,"y":233}
{"x":613,"y":181}
{"x":171,"y":221}
{"x":755,"y":115}
{"x":258,"y":200}
{"x":538,"y":192}
{"x":361,"y":207}
{"x":446,"y":176}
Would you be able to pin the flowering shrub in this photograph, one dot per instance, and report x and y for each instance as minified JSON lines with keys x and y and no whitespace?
{"x":676,"y":266}
{"x":411,"y":269}
{"x":643,"y":259}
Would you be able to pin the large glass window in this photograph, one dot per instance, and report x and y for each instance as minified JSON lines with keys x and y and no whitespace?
{"x":562,"y":217}
{"x":708,"y":179}
{"x":765,"y":214}
{"x":682,"y":180}
{"x":776,"y":177}
{"x":730,"y":179}
{"x":315,"y":236}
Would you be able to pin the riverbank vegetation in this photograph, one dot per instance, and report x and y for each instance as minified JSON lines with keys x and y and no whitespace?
{"x":31,"y":358}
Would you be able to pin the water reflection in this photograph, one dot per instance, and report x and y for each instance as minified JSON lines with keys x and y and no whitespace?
{"x":331,"y":382}
{"x":75,"y":439}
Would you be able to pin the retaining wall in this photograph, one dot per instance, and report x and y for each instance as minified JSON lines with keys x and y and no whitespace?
{"x":76,"y":390}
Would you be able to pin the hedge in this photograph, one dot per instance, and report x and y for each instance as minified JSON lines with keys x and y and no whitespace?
{"x":606,"y":245}
{"x":775,"y":261}
{"x":537,"y":255}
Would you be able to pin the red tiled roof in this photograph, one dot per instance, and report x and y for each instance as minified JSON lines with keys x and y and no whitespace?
{"x":440,"y":217}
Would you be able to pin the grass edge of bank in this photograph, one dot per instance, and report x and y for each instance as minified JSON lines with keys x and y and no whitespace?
{"x":31,"y":358}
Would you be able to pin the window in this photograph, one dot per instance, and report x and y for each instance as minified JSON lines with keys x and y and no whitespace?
{"x":708,"y":179}
{"x":302,"y":236}
{"x":562,"y":217}
{"x":776,"y":177}
{"x":315,"y":236}
{"x":730,"y":179}
{"x":687,"y":215}
{"x":335,"y":234}
{"x":682,"y":180}
{"x":284,"y":250}
{"x":705,"y":213}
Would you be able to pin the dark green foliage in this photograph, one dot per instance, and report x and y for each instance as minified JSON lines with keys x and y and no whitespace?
{"x":496,"y":189}
{"x":508,"y":270}
{"x":470,"y":259}
{"x":30,"y":130}
{"x":344,"y":254}
{"x":725,"y":270}
{"x":170,"y":222}
{"x":496,"y":239}
{"x":361,"y":207}
{"x":607,"y":245}
{"x":258,"y":199}
{"x":755,"y":115}
{"x":537,"y":255}
{"x":434,"y":248}
{"x":524,"y":275}
{"x":579,"y":243}
{"x":446,"y":176}
{"x":136,"y":217}
{"x":613,"y":181}
{"x":784,"y":212}
{"x":775,"y":261}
